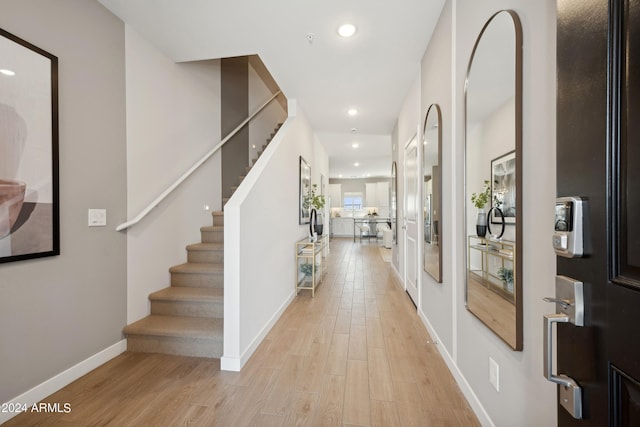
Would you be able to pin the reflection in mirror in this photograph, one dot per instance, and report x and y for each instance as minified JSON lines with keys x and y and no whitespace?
{"x":493,"y":171}
{"x":431,"y":189}
{"x":394,"y":204}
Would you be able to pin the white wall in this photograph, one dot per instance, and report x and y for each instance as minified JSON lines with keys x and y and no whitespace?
{"x":525,"y":397}
{"x":261,"y":227}
{"x":436,"y":298}
{"x":58,"y":312}
{"x":173,"y":119}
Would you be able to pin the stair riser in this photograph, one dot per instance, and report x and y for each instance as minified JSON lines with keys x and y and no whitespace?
{"x":218,"y":220}
{"x":209,"y":309}
{"x":192,"y":347}
{"x":198,"y":280}
{"x":213,"y":257}
{"x":212,"y":236}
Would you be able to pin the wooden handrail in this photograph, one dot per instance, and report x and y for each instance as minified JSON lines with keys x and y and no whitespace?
{"x":192,"y":169}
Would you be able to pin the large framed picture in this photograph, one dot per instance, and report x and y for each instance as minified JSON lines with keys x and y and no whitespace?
{"x":29,"y":212}
{"x":305,"y":186}
{"x":503,"y":187}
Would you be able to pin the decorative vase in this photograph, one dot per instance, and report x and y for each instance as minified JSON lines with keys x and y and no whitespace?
{"x":498,"y":211}
{"x":319,"y":223}
{"x":481,"y":223}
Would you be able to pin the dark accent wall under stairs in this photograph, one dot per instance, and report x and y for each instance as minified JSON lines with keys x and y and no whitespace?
{"x":235,"y":109}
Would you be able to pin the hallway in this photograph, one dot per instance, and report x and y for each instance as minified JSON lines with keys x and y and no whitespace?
{"x":355,"y":355}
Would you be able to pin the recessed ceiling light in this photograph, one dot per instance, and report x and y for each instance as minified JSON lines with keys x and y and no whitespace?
{"x":356,"y":164}
{"x":7,"y":72}
{"x":354,"y":145}
{"x":354,"y":130}
{"x":352,"y":112}
{"x":347,"y":30}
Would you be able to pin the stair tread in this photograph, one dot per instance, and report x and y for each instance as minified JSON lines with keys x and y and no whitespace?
{"x":184,"y":293}
{"x":177,"y":326}
{"x":217,"y":213}
{"x":214,"y":246}
{"x":197,"y":267}
{"x":212,"y":228}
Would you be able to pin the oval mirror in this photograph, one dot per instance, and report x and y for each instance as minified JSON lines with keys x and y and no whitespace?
{"x":431,"y":189}
{"x":493,"y":171}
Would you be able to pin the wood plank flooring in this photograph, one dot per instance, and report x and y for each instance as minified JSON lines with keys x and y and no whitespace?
{"x":355,"y":355}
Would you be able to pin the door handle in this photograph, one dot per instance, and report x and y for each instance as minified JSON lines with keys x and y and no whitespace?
{"x":549,"y":320}
{"x":570,"y":391}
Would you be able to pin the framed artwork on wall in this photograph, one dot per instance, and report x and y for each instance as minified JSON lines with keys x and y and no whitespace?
{"x":305,"y":186}
{"x":29,"y":211}
{"x":503,"y":187}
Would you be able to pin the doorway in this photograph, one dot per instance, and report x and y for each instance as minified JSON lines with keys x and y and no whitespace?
{"x":411,"y":206}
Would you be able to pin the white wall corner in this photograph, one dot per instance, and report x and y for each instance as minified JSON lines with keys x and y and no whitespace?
{"x":292,"y":106}
{"x":246,"y":355}
{"x":230,"y":360}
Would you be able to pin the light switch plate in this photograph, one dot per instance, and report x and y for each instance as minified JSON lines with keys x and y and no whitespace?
{"x":97,"y":217}
{"x":494,"y":374}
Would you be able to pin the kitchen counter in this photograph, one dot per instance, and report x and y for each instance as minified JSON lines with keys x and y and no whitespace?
{"x":345,"y":226}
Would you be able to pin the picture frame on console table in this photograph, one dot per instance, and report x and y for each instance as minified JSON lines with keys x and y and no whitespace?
{"x":29,"y":193}
{"x":304,"y":186}
{"x":503,"y":187}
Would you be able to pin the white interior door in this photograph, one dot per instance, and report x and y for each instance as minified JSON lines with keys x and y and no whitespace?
{"x":411,"y":203}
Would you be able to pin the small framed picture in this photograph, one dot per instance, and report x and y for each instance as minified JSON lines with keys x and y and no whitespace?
{"x":503,"y":187}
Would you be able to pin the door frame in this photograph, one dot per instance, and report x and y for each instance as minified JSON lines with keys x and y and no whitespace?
{"x":405,"y":225}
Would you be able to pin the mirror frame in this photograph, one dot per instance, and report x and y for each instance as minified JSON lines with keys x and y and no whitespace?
{"x":517,"y":28}
{"x":433,"y":108}
{"x":394,"y":196}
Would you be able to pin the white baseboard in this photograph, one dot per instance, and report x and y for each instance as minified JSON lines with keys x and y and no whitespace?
{"x":39,"y":392}
{"x":395,"y":270}
{"x":466,"y":389}
{"x":236,"y":363}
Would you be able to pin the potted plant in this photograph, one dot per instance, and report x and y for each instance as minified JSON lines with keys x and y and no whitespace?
{"x":480,"y":200}
{"x":315,"y":201}
{"x":307,"y":268}
{"x":506,"y":275}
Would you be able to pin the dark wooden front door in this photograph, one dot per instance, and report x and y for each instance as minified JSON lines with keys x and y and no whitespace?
{"x":598,"y":158}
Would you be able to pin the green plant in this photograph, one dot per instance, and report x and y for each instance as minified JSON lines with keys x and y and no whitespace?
{"x":481,"y":199}
{"x":306,"y":268}
{"x":312,"y":199}
{"x":506,"y":275}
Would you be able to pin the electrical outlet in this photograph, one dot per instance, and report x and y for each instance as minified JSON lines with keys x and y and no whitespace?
{"x":494,"y":374}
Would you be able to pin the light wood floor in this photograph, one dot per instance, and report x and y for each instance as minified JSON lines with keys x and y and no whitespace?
{"x":492,"y":309}
{"x":355,"y":355}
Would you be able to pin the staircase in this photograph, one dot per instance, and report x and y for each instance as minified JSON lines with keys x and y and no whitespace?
{"x":253,"y":162}
{"x":187,"y":317}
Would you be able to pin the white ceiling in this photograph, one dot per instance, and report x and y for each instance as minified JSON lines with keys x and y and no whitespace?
{"x":372,"y":71}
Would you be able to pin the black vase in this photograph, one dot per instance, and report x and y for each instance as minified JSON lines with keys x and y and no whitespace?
{"x":481,"y":223}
